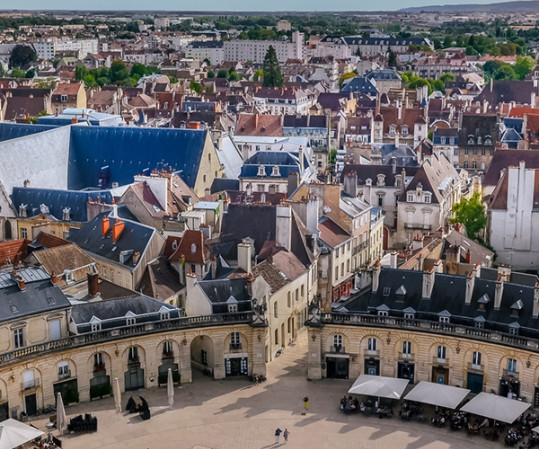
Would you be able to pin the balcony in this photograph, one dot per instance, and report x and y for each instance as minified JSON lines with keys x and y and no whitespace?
{"x":372,"y":353}
{"x":475,"y":367}
{"x":405,"y":357}
{"x":336,"y":349}
{"x":30,"y":384}
{"x":235,"y":346}
{"x":439,"y":361}
{"x":65,"y":375}
{"x":510,"y":373}
{"x":425,"y":227}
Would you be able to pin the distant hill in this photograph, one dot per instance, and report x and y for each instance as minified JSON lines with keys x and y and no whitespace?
{"x":504,"y":7}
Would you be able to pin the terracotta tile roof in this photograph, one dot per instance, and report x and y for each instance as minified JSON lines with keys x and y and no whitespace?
{"x":49,"y":240}
{"x":192,"y":247}
{"x":505,"y":158}
{"x":67,"y":89}
{"x":13,"y":251}
{"x":168,"y":251}
{"x":271,"y":274}
{"x":520,"y":111}
{"x":259,"y":125}
{"x":160,"y":280}
{"x":65,"y":258}
{"x":331,"y":233}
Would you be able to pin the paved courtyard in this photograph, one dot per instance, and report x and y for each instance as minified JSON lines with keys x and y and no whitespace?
{"x":235,"y":414}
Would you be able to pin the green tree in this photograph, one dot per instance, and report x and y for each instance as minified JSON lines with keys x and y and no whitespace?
{"x":119,"y":73}
{"x":18,"y":73}
{"x":391,"y":59}
{"x":30,"y":73}
{"x":138,"y":70}
{"x":211,"y":74}
{"x":490,"y":67}
{"x":523,"y":66}
{"x":448,"y":78}
{"x":272,"y":70}
{"x":470,"y":213}
{"x":448,"y":41}
{"x":80,"y":72}
{"x":505,"y":72}
{"x":195,"y":86}
{"x":22,"y":55}
{"x":222,"y":73}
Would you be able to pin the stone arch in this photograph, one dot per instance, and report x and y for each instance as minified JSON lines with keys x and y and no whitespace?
{"x":32,"y":393}
{"x":168,"y":356}
{"x":99,"y":364}
{"x":134,"y":361}
{"x":243,"y":346}
{"x":330,"y":342}
{"x":8,"y":235}
{"x":202,"y":351}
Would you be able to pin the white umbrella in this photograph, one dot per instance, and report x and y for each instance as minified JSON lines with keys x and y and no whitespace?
{"x":437,"y":394}
{"x":13,"y":433}
{"x":496,"y":407}
{"x":170,"y":388}
{"x":117,"y":396}
{"x":380,"y":386}
{"x":60,"y":414}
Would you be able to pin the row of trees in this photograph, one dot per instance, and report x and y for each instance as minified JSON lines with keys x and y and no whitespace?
{"x":117,"y":74}
{"x":503,"y":71}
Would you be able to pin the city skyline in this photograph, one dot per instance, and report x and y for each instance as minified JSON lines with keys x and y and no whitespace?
{"x":237,"y":5}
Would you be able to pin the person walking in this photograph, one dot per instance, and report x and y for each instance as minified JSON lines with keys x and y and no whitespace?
{"x":278,"y":432}
{"x":306,"y":402}
{"x":285,"y":435}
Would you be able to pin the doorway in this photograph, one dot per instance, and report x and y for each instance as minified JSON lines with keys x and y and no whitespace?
{"x":337,"y":367}
{"x":474,"y":382}
{"x":405,"y":370}
{"x":440,"y":375}
{"x":30,"y":402}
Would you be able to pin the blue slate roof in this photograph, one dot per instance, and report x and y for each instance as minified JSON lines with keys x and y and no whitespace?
{"x":287,"y":162}
{"x":359,"y":84}
{"x":100,"y":156}
{"x":9,"y":131}
{"x":220,"y":184}
{"x":57,"y":200}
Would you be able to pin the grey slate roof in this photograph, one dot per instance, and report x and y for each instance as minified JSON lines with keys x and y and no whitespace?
{"x":134,"y":237}
{"x":39,"y":296}
{"x":220,"y":291}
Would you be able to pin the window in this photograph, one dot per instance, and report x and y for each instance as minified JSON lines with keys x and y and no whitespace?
{"x":406,"y":349}
{"x":99,"y":361}
{"x":380,"y":200}
{"x":410,"y":197}
{"x":479,"y":325}
{"x":465,"y":164}
{"x":474,"y":164}
{"x":18,"y":336}
{"x":133,"y":354}
{"x":386,"y":291}
{"x":167,"y":349}
{"x":371,"y":345}
{"x":232,"y":308}
{"x":276,"y":337}
{"x":476,"y":360}
{"x":235,"y":340}
{"x":511,"y":367}
{"x":404,"y":130}
{"x":466,"y":150}
{"x":55,"y":329}
{"x":63,"y":98}
{"x":130,"y":321}
{"x":336,"y":272}
{"x":164,"y":315}
{"x":302,"y":292}
{"x":444,"y":319}
{"x":96,"y":327}
{"x":63,"y":370}
{"x":289,"y":299}
{"x":337,"y":342}
{"x":383,"y":313}
{"x":442,"y":350}
{"x":24,"y":233}
{"x":409,"y":316}
{"x":275,"y":310}
{"x":475,"y":151}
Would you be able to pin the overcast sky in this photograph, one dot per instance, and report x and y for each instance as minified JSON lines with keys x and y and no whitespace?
{"x":230,"y":5}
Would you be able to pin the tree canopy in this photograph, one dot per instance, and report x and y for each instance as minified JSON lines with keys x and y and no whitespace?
{"x":272,"y":70}
{"x":470,"y":213}
{"x":22,"y":55}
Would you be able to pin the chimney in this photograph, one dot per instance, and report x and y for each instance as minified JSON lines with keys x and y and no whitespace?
{"x":438,"y":266}
{"x":117,"y":229}
{"x":375,"y":276}
{"x":136,"y":257}
{"x":74,"y":120}
{"x":393,"y":260}
{"x":397,"y":141}
{"x":498,"y":293}
{"x":293,"y":181}
{"x":244,"y":256}
{"x":394,"y":164}
{"x":181,"y":269}
{"x":190,"y":281}
{"x":428,"y":283}
{"x":301,"y":168}
{"x":470,"y":282}
{"x":93,"y":284}
{"x":505,"y":272}
{"x":105,"y":226}
{"x":417,"y":243}
{"x":54,"y":279}
{"x":350,"y":184}
{"x":20,"y":283}
{"x":214,"y":267}
{"x":256,"y":120}
{"x":399,"y":109}
{"x":283,"y":226}
{"x":491,"y":83}
{"x":536,"y":300}
{"x":26,"y":183}
{"x":468,"y":257}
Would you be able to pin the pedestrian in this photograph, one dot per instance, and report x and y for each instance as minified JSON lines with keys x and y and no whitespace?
{"x":285,"y":435}
{"x":278,"y":432}
{"x":306,"y":402}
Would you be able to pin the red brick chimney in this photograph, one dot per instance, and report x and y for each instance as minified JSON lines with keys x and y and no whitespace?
{"x":20,"y":282}
{"x":93,"y":284}
{"x":117,"y":229}
{"x":54,"y":279}
{"x":105,"y":226}
{"x":256,"y":121}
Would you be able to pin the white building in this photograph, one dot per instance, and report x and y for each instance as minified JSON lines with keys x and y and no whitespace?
{"x":254,"y":50}
{"x":513,"y":216}
{"x":211,"y":50}
{"x":84,"y":47}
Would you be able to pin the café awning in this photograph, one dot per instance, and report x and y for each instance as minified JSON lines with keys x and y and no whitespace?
{"x":14,"y":433}
{"x":437,"y":394}
{"x":496,"y":407}
{"x":379,"y":386}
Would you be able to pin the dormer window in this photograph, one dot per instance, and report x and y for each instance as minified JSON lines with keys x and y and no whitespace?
{"x":275,"y":171}
{"x":409,"y":313}
{"x":193,"y":248}
{"x":392,"y":129}
{"x":479,"y":322}
{"x":516,"y":307}
{"x":381,"y":180}
{"x":164,"y":313}
{"x":66,"y":214}
{"x":383,"y":310}
{"x":410,"y":197}
{"x":63,"y":98}
{"x":22,"y":210}
{"x":261,"y":171}
{"x":471,"y":140}
{"x":514,"y":328}
{"x":427,"y":197}
{"x":444,"y":317}
{"x":404,"y":130}
{"x":488,"y":140}
{"x":95,"y":324}
{"x":130,"y":319}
